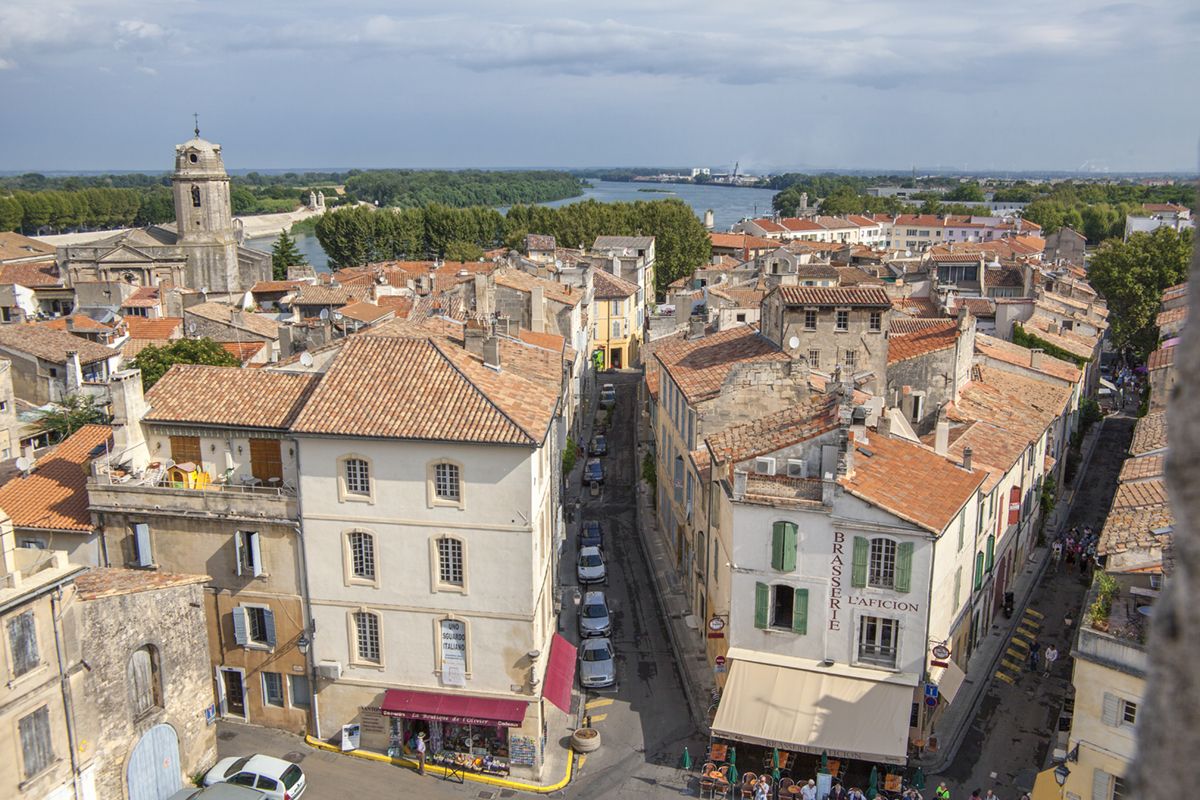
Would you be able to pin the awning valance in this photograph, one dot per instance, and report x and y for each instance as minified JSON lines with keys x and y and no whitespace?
{"x":453,"y":708}
{"x":560,"y":673}
{"x":815,"y":712}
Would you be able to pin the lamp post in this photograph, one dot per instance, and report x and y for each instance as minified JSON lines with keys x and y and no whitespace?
{"x":1061,"y":773}
{"x":303,"y":643}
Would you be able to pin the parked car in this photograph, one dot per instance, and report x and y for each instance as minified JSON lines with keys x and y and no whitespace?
{"x":274,"y":777}
{"x":594,"y":619}
{"x":219,"y":791}
{"x":599,"y":446}
{"x":608,"y":396}
{"x":597,"y":663}
{"x":590,"y":567}
{"x":593,"y":471}
{"x":591,"y":534}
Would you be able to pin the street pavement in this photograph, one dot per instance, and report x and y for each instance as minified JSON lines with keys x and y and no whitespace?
{"x":1010,"y":739}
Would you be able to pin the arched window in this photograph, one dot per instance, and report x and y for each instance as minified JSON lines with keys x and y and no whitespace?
{"x":451,"y":567}
{"x":142,"y":678}
{"x":447,"y":482}
{"x":360,"y":553}
{"x":367,"y":645}
{"x":195,"y":197}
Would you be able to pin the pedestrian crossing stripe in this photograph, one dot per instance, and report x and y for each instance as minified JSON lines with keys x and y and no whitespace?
{"x":1005,"y":678}
{"x":1019,"y":643}
{"x":1011,"y":652}
{"x":598,"y":703}
{"x":1028,"y":634}
{"x":1035,"y":612}
{"x":1014,"y":667}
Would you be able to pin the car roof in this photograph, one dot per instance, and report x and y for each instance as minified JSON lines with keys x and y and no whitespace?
{"x":594,"y":597}
{"x":588,"y":550}
{"x":595,"y":642}
{"x":218,"y":791}
{"x":270,"y":766}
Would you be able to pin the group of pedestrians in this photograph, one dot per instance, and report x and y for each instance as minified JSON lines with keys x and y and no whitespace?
{"x":943,"y":793}
{"x":1075,"y":547}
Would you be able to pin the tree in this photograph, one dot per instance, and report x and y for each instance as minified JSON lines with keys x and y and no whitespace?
{"x":1131,"y":276}
{"x":459,"y":250}
{"x":966,"y":192}
{"x":155,"y":361}
{"x":72,"y":414}
{"x":284,"y":254}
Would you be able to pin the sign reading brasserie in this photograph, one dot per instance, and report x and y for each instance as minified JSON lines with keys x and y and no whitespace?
{"x":836,"y":594}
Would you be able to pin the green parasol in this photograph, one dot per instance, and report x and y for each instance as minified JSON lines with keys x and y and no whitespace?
{"x":775,"y":763}
{"x":918,"y":779}
{"x":873,"y":785}
{"x":733,"y":773}
{"x":687,"y":758}
{"x":825,"y":763}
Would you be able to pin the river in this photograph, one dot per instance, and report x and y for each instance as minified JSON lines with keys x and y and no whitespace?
{"x":728,"y":203}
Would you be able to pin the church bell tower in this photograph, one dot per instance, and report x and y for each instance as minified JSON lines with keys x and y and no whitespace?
{"x":204,"y":216}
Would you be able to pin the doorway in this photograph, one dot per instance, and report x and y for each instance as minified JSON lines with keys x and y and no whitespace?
{"x":615,"y":356}
{"x":233,"y":693}
{"x":153,"y":772}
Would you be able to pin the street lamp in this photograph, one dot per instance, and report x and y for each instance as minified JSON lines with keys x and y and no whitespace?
{"x":302,"y":644}
{"x":1061,"y":773}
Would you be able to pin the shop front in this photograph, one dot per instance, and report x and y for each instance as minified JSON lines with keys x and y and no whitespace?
{"x":467,"y":733}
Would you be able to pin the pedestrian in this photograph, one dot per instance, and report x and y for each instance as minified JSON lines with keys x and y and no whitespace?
{"x":1051,"y":657}
{"x":911,"y":793}
{"x":809,"y":790}
{"x":421,"y":753}
{"x":990,"y":795}
{"x":761,"y":789}
{"x":856,"y":794}
{"x":837,"y":791}
{"x":1056,"y":549}
{"x":1034,"y":649}
{"x":976,"y":795}
{"x":941,"y":792}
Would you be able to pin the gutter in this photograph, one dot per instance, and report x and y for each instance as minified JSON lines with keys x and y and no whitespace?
{"x":306,"y":607}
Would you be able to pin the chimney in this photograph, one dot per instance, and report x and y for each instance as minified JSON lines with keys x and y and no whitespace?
{"x":1035,"y":357}
{"x":941,"y":436}
{"x":237,"y":318}
{"x":884,"y":426}
{"x":74,"y":372}
{"x":1052,"y":328}
{"x":483,"y":302}
{"x":697,"y":326}
{"x":128,"y":408}
{"x":537,"y":309}
{"x":966,"y":462}
{"x":739,"y":483}
{"x":858,"y":425}
{"x":473,"y":338}
{"x":491,"y":352}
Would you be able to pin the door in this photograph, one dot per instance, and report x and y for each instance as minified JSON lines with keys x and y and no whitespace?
{"x":185,"y":449}
{"x":233,"y":693}
{"x":153,"y":769}
{"x":265,"y":460}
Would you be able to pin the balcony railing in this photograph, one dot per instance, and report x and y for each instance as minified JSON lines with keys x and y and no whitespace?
{"x":163,"y":490}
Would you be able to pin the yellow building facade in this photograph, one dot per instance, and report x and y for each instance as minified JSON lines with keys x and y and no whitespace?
{"x":616,"y":335}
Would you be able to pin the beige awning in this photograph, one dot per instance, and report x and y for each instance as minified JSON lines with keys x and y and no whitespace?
{"x":815,"y":712}
{"x":948,"y":680}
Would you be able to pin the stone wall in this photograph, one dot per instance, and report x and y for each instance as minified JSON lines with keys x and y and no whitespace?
{"x":752,"y":390}
{"x":930,"y":373}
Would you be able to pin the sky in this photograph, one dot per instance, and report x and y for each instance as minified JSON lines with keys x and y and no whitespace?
{"x":806,"y":84}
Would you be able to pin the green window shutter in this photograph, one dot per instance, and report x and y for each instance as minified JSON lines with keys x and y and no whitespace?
{"x":957,"y":588}
{"x":762,"y":605}
{"x":789,"y":547}
{"x":800,"y":611}
{"x":991,"y":554}
{"x":777,"y":537}
{"x":858,"y":572}
{"x":978,"y":571}
{"x":904,"y":552}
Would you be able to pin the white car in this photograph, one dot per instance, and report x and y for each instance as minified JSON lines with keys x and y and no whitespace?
{"x":590,"y":567}
{"x":274,"y":777}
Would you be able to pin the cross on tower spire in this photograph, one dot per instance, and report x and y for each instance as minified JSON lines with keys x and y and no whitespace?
{"x":196,"y":117}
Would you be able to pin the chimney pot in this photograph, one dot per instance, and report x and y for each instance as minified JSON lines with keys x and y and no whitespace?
{"x":941,"y":437}
{"x":491,"y":352}
{"x":966,"y":461}
{"x":1035,"y":357}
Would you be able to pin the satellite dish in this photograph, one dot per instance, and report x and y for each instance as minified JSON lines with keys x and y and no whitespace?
{"x":306,"y":359}
{"x":23,"y":464}
{"x":191,"y":328}
{"x":794,"y":342}
{"x":324,"y":314}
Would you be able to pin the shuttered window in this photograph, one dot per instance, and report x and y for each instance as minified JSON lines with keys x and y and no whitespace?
{"x":22,"y":642}
{"x":762,"y":605}
{"x":1102,"y":785}
{"x":990,"y":560}
{"x":1014,"y":505}
{"x":249,"y":553}
{"x":957,"y":588}
{"x":858,"y":572}
{"x":978,"y":571}
{"x":37,"y":752}
{"x":142,"y":676}
{"x":783,"y":546}
{"x":185,"y":449}
{"x":143,"y":550}
{"x":904,"y":552}
{"x":800,"y":611}
{"x":254,"y":625}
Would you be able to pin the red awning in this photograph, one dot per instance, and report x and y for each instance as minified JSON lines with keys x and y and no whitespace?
{"x":453,"y":708}
{"x":560,"y":673}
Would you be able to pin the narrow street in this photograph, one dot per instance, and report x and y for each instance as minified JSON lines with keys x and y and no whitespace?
{"x":1010,"y":738}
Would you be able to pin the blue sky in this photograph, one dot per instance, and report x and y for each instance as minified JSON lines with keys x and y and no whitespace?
{"x":1023,"y":84}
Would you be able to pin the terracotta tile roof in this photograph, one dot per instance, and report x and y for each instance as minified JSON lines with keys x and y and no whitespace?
{"x":402,"y":305}
{"x":623,"y":242}
{"x":1005,"y":277}
{"x":700,"y":366}
{"x":607,"y":286}
{"x":1018,"y":403}
{"x":100,"y":582}
{"x":945,"y":254}
{"x":550,"y":341}
{"x":539,"y":241}
{"x":1163,"y":208}
{"x":1074,"y":343}
{"x":30,"y":274}
{"x":911,"y":481}
{"x":903,"y":325}
{"x":79,"y":322}
{"x":51,"y":345}
{"x":54,"y":496}
{"x":132,"y":347}
{"x":862,"y":221}
{"x":161,"y":328}
{"x":1138,"y":494}
{"x":741,"y":298}
{"x":776,"y":431}
{"x":1149,"y":434}
{"x":993,"y":448}
{"x":1027,"y":244}
{"x":331,"y":295}
{"x":1015,"y":354}
{"x":835,"y":296}
{"x":259,"y":324}
{"x":243,"y":351}
{"x":15,"y":245}
{"x":274,"y":287}
{"x":1161,"y":358}
{"x":649,"y":352}
{"x":1171,"y":316}
{"x":1133,"y":529}
{"x":364,"y":311}
{"x":229,"y":396}
{"x":976,"y":306}
{"x":741,"y":241}
{"x":1137,"y":468}
{"x":770,"y":226}
{"x":1175,"y":292}
{"x":854,"y":276}
{"x":552,"y":290}
{"x":801,"y":225}
{"x":144,"y":297}
{"x":928,"y":339}
{"x":427,"y":389}
{"x":916,"y":306}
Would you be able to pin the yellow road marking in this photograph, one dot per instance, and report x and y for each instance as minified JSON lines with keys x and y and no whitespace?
{"x":579,"y":760}
{"x":1019,"y":643}
{"x":598,"y":718}
{"x":1035,"y":612}
{"x":1027,"y":633}
{"x":1014,"y":667}
{"x":1032,"y":623}
{"x":598,"y":702}
{"x":1005,"y":678}
{"x":1013,"y":653}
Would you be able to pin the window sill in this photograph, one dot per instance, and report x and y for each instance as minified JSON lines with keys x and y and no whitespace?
{"x":28,"y":676}
{"x":450,"y":588}
{"x":348,"y":497}
{"x":367,"y":583}
{"x":33,"y":779}
{"x":262,"y":648}
{"x":380,"y":667}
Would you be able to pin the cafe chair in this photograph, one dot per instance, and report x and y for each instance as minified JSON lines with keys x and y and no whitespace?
{"x":748,"y":781}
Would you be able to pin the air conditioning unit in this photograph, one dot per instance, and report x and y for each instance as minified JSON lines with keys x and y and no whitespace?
{"x":797,"y":468}
{"x":764,"y":466}
{"x":329,"y":670}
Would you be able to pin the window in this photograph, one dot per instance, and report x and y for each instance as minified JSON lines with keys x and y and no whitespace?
{"x":783,"y":546}
{"x":781,"y":607}
{"x":617,"y":308}
{"x":298,"y":685}
{"x":142,"y":678}
{"x":366,"y":636}
{"x":810,"y":319}
{"x":361,"y":547}
{"x":249,"y":553}
{"x":814,"y":359}
{"x":1117,"y":712}
{"x":876,"y":321}
{"x":358,"y":477}
{"x":797,"y":468}
{"x":843,"y":320}
{"x":447,"y":484}
{"x":877,"y":641}
{"x":450,"y":561}
{"x":272,"y":686}
{"x":143,"y":552}
{"x":962,"y":530}
{"x":254,"y":626}
{"x":186,"y":449}
{"x":195,"y":197}
{"x":979,"y":570}
{"x":882,"y":565}
{"x":1128,"y":713}
{"x":850,"y":358}
{"x":740,"y":317}
{"x":957,"y":588}
{"x":616,"y":329}
{"x":22,"y":642}
{"x":990,"y":559}
{"x":37,"y":752}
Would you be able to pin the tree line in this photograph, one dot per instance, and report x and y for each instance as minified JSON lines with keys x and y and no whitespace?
{"x":359,"y":235}
{"x":408,"y":188}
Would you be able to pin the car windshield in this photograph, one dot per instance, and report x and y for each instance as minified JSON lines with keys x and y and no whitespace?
{"x":595,"y":611}
{"x":597,"y":654}
{"x":237,"y":766}
{"x":590,"y":560}
{"x":291,"y":776}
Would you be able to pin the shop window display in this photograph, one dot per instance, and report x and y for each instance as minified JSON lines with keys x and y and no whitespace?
{"x":478,"y":748}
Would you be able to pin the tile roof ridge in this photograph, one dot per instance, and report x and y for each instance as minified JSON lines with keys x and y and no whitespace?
{"x":492,"y":403}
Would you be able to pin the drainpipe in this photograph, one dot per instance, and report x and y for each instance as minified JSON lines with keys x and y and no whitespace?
{"x":306,"y":606}
{"x":65,"y":680}
{"x":927,"y":716}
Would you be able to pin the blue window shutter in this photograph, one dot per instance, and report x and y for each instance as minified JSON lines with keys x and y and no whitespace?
{"x":269,"y":626}
{"x":240,"y":634}
{"x":141,"y":533}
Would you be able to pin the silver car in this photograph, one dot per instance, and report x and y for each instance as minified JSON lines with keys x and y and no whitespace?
{"x":597,"y":664}
{"x":590,"y":567}
{"x":608,"y":396}
{"x":594,"y":619}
